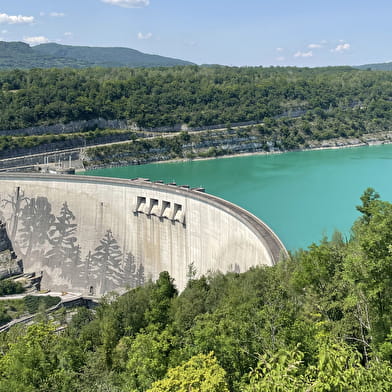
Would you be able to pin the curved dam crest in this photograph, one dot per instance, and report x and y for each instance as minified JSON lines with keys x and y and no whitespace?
{"x":94,"y":235}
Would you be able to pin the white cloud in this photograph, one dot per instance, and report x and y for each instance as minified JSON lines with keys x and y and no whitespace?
{"x":57,"y":14}
{"x":341,"y":48}
{"x":36,"y":40}
{"x":144,"y":36}
{"x":279,"y":49}
{"x":42,"y":13}
{"x":304,"y":54}
{"x":128,"y":3}
{"x":280,"y":58}
{"x":68,"y":34}
{"x":15,"y":19}
{"x":4,"y":31}
{"x":315,"y":46}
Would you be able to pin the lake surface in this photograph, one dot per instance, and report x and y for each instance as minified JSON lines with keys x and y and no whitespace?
{"x":300,"y":195}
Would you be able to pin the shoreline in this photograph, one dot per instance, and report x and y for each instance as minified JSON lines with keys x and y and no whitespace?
{"x":339,"y":144}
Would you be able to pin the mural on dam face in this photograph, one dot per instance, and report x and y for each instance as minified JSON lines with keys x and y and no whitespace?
{"x":50,"y":242}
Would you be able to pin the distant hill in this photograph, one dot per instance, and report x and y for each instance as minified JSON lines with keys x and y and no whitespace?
{"x":107,"y":57}
{"x":376,"y":67}
{"x":21,"y":55}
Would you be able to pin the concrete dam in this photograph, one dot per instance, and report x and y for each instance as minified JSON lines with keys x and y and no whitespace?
{"x":93,"y":235}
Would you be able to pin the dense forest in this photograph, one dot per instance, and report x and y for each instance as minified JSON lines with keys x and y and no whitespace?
{"x":191,"y":95}
{"x":288,"y":107}
{"x":319,"y":321}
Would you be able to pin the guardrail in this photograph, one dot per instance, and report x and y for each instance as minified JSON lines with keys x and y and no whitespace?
{"x":66,"y":303}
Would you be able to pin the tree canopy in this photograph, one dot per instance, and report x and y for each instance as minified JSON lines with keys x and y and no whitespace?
{"x":320,"y":320}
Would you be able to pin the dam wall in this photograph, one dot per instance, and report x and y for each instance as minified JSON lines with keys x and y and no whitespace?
{"x":94,"y":235}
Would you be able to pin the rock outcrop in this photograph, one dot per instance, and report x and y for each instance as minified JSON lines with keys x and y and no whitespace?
{"x":9,"y":263}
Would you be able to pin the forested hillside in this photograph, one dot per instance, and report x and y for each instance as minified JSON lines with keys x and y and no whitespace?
{"x":21,"y":56}
{"x":191,"y":95}
{"x":376,"y":66}
{"x":107,"y":57}
{"x":293,"y":107}
{"x":320,"y":321}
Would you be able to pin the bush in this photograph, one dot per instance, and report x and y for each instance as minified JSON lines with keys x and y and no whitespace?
{"x":34,"y":303}
{"x":8,"y":287}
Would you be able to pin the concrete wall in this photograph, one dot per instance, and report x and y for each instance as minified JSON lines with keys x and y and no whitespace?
{"x":99,"y":234}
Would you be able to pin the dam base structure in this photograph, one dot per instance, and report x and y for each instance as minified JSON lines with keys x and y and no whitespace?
{"x":94,"y":235}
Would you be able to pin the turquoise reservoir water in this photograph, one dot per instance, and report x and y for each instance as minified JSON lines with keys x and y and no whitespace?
{"x":300,"y":195}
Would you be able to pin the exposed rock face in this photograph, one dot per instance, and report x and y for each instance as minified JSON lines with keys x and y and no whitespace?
{"x":5,"y":243}
{"x":9,"y":264}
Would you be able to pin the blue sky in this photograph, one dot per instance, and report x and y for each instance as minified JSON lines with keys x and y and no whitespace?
{"x":242,"y":32}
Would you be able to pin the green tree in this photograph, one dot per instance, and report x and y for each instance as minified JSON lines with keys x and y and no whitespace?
{"x":148,"y":358}
{"x":163,"y":291}
{"x":338,"y":369}
{"x":368,"y":269}
{"x":31,"y":361}
{"x":368,"y":198}
{"x":201,"y":373}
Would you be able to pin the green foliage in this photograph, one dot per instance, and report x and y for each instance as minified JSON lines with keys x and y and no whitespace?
{"x":334,"y":101}
{"x":368,"y":197}
{"x":12,"y":144}
{"x":293,"y":107}
{"x":369,"y":270}
{"x":190,"y":304}
{"x":376,"y":67}
{"x":277,"y":372}
{"x":30,"y":361}
{"x":160,"y":300}
{"x":319,"y":321}
{"x":4,"y":316}
{"x":21,"y":55}
{"x":81,"y":318}
{"x":201,"y":373}
{"x":339,"y":369}
{"x":148,"y":358}
{"x":106,"y":57}
{"x":8,"y":287}
{"x":11,"y":309}
{"x":34,"y":303}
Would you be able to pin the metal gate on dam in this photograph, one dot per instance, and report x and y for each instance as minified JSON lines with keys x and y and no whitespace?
{"x":94,"y":234}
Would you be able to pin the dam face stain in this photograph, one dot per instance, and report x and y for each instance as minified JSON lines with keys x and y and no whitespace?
{"x":50,"y":241}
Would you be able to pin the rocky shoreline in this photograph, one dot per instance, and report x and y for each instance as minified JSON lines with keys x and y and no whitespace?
{"x":371,"y":139}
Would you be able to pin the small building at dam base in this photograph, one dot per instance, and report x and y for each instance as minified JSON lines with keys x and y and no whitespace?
{"x":93,"y":235}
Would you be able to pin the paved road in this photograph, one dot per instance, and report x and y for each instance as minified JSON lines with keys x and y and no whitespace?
{"x":64,"y":296}
{"x":40,"y":156}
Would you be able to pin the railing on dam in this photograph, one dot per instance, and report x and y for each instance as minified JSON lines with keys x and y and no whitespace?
{"x":273,"y":245}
